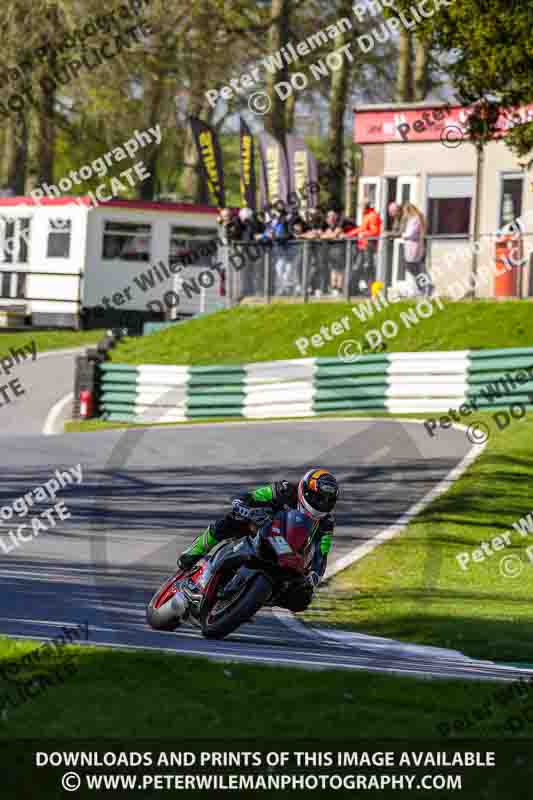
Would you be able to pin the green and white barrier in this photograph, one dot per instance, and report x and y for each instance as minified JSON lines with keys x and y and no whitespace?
{"x":498,"y":378}
{"x":397,"y":383}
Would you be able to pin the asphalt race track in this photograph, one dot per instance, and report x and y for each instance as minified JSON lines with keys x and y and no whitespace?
{"x":147,"y":492}
{"x":44,"y":381}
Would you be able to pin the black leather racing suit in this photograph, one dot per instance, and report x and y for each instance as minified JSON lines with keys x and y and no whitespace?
{"x":279,"y":496}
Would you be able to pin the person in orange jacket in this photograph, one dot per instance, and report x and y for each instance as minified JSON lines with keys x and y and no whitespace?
{"x":370,"y":228}
{"x":367,"y":234}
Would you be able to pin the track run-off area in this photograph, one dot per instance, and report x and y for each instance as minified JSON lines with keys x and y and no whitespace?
{"x":146,"y":492}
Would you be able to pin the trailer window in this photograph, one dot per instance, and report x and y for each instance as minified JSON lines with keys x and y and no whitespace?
{"x":7,"y":236}
{"x":24,"y":238}
{"x":14,"y":239}
{"x":183,"y":232}
{"x":59,"y":233}
{"x":5,"y":285}
{"x":127,"y":241}
{"x":181,"y":245}
{"x":21,"y":285}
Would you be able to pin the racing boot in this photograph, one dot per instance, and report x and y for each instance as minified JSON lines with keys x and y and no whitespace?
{"x":200,"y":547}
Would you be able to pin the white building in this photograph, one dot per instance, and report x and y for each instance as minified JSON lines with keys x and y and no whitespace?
{"x":60,"y":258}
{"x":420,"y":153}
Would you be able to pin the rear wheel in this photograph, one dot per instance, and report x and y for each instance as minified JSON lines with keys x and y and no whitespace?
{"x":224,"y":616}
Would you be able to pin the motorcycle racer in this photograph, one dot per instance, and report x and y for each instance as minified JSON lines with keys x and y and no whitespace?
{"x":315,"y":495}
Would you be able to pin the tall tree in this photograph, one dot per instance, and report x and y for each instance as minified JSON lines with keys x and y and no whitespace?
{"x":17,"y":164}
{"x":421,"y":82}
{"x":492,"y":49}
{"x":404,"y":85}
{"x":275,"y":121}
{"x":24,"y":25}
{"x":340,"y":88}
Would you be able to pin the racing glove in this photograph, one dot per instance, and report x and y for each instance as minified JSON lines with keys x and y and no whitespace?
{"x":257,"y":515}
{"x":312,"y":580}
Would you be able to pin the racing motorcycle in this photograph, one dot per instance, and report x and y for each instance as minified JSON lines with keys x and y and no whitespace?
{"x":230,"y":584}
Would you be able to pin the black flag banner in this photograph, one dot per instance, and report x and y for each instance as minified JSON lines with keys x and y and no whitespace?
{"x":274,"y":172}
{"x":210,"y":156}
{"x":303,"y":172}
{"x":248,"y":182}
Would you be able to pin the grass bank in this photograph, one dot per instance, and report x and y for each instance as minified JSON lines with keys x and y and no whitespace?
{"x":48,"y":340}
{"x":414,"y":587}
{"x":139,"y":701}
{"x":210,"y":696}
{"x":265,"y":333}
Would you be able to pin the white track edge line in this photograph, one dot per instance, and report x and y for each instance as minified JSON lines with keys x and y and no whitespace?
{"x":262,"y":659}
{"x":393,"y":530}
{"x":54,"y":413}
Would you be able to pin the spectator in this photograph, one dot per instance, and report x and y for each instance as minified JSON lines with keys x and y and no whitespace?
{"x":297,"y":231}
{"x":277,"y":233}
{"x":314,"y":225}
{"x":267,"y":234}
{"x":332,"y":228}
{"x":251,"y":225}
{"x":245,"y":216}
{"x":393,"y":231}
{"x":414,"y":230}
{"x":367,"y":235}
{"x":252,"y":274}
{"x":230,"y":227}
{"x":283,"y":262}
{"x":349,"y":226}
{"x":293,"y":216}
{"x":229,"y":231}
{"x":395,"y":215}
{"x":333,"y":254}
{"x":313,"y":230}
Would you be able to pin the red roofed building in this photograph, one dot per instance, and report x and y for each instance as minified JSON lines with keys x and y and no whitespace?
{"x":419,"y":153}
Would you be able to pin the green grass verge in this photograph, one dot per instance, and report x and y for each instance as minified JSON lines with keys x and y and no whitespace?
{"x":48,"y":340}
{"x":113,"y":700}
{"x":92,"y":425}
{"x":413,"y":587}
{"x":264,"y":333}
{"x":208,"y":699}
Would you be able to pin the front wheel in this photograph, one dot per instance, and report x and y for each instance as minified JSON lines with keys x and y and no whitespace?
{"x":166,"y":607}
{"x":225,"y":616}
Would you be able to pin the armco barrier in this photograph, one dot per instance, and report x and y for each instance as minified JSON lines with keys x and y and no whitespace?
{"x":396,"y":383}
{"x":500,"y":378}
